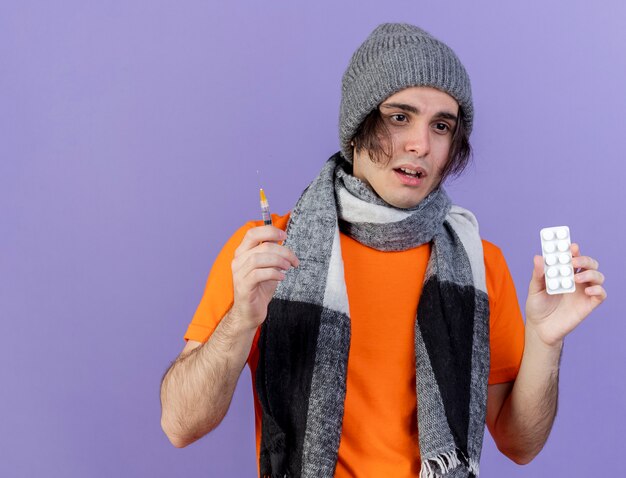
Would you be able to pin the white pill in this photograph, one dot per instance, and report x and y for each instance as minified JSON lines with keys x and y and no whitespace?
{"x":565,"y":270}
{"x":561,"y":233}
{"x":549,"y":247}
{"x":552,"y":272}
{"x":551,"y":259}
{"x":548,"y":235}
{"x":566,"y":283}
{"x":563,"y":246}
{"x":564,"y":258}
{"x":553,"y":284}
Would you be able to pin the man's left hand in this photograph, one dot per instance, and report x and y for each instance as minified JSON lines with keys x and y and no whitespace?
{"x":554,"y":316}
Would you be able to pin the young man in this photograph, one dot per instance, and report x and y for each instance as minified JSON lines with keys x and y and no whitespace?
{"x":383,"y":333}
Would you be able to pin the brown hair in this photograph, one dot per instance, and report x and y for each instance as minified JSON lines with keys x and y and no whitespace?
{"x":372,"y":135}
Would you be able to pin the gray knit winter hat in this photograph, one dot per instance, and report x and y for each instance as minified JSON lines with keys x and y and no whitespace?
{"x":396,"y":56}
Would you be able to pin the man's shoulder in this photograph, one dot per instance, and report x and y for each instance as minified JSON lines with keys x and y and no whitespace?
{"x":492,"y":253}
{"x":490,"y":248}
{"x":281,"y":221}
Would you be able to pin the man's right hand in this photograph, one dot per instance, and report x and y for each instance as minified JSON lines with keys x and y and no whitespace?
{"x":197,"y":389}
{"x":259,"y":265}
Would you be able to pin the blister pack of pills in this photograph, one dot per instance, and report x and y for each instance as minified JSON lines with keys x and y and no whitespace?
{"x":557,"y":260}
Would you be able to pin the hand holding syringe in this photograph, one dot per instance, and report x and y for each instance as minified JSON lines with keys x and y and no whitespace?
{"x":259,"y":264}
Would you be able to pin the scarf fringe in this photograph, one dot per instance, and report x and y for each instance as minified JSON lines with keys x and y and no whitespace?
{"x":473,"y":466}
{"x":446,"y":462}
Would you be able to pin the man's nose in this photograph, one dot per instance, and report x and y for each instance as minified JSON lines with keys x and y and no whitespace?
{"x":417,"y":140}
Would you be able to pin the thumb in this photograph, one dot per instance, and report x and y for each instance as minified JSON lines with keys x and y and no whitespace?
{"x":537,"y":281}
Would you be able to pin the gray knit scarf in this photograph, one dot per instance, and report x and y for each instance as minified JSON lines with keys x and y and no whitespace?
{"x":305,"y":340}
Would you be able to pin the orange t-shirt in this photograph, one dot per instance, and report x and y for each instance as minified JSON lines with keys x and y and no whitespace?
{"x":379,"y":432}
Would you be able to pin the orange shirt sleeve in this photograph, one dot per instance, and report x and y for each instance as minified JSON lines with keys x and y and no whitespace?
{"x":506,"y":322}
{"x":218,"y":293}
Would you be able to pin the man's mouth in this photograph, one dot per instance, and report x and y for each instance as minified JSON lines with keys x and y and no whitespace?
{"x":412,"y":173}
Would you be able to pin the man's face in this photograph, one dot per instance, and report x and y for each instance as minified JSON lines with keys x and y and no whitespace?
{"x":421,"y":121}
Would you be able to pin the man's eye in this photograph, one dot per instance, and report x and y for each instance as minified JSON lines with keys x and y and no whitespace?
{"x":399,"y":117}
{"x":442,"y":127}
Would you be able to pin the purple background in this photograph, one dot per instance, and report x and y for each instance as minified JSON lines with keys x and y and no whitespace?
{"x":130,"y":136}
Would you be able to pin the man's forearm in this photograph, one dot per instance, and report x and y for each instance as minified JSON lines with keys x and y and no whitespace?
{"x":527,"y":415}
{"x":197,"y":389}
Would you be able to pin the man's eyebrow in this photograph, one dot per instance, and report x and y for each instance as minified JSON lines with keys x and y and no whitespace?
{"x":412,"y":109}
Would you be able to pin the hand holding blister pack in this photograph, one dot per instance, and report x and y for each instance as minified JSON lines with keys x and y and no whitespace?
{"x":557,"y":260}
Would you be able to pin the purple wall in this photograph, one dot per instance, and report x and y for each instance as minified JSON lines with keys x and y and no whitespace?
{"x":130,"y":136}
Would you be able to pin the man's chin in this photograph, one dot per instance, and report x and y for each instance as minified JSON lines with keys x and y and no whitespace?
{"x":403,"y":203}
